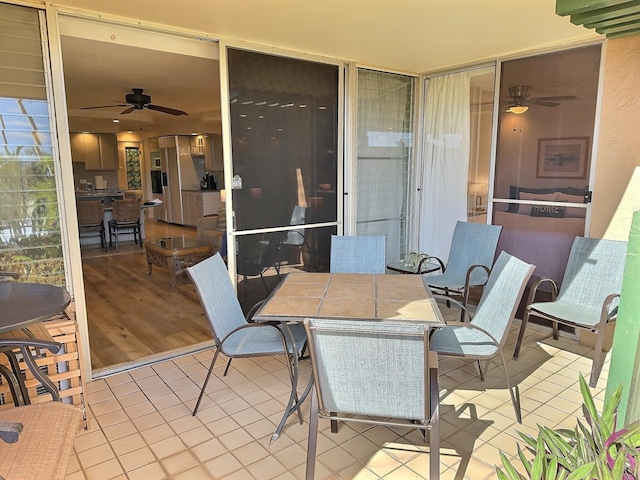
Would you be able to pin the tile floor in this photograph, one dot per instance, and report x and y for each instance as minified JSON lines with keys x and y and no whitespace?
{"x":141,"y":426}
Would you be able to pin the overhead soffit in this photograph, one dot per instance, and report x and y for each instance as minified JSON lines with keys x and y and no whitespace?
{"x":613,"y":18}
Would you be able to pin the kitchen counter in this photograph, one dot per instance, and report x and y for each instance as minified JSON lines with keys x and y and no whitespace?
{"x":106,"y":195}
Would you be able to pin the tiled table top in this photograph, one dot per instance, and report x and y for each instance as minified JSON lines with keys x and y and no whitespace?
{"x":353,"y":296}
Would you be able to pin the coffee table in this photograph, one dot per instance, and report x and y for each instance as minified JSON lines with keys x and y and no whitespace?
{"x":175,"y":253}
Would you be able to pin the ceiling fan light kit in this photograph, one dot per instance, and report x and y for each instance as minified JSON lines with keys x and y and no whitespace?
{"x":518,"y":109}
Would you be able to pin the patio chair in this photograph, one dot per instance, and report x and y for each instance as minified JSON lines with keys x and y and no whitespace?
{"x":473,"y":249}
{"x":357,"y":254}
{"x":588,"y":294}
{"x":233,"y":335}
{"x":372,"y":373}
{"x":484,"y":337}
{"x":38,"y":440}
{"x":265,"y":256}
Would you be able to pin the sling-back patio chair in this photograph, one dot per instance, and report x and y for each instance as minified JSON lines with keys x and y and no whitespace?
{"x":357,"y":254}
{"x":379,"y":373}
{"x":485,"y":336}
{"x":233,"y":335}
{"x":588,"y":294}
{"x":473,"y":249}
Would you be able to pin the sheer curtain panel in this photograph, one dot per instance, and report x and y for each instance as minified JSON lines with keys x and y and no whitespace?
{"x":446,"y":160}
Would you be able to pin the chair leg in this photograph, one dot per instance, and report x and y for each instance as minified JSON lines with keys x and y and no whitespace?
{"x":227,"y":369}
{"x":206,"y":380}
{"x":523,"y":327}
{"x":480,"y":371}
{"x":312,"y":441}
{"x":15,"y":367}
{"x":513,"y":392}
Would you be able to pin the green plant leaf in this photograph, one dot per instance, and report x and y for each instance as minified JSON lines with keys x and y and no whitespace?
{"x":540,"y":460}
{"x":583,"y":472}
{"x":552,"y":469}
{"x":525,"y":462}
{"x":511,"y":472}
{"x":619,"y":465}
{"x":587,"y":400}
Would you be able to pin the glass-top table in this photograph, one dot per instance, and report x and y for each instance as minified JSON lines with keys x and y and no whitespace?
{"x":425,"y":265}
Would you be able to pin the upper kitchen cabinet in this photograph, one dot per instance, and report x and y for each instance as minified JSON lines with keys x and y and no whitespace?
{"x":98,"y":151}
{"x":208,"y":146}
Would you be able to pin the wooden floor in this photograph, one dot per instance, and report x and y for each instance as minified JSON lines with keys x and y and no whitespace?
{"x":132,"y":315}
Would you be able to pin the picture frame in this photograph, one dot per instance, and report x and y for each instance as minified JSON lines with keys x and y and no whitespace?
{"x":563,"y":157}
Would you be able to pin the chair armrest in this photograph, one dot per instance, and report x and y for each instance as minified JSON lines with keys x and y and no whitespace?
{"x":608,"y":313}
{"x":443,"y":267}
{"x":13,"y":275}
{"x":467,"y":280}
{"x":252,"y":311}
{"x":10,"y":431}
{"x":459,"y":304}
{"x":426,"y":258}
{"x":534,"y":290}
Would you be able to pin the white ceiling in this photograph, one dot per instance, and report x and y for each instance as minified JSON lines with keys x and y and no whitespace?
{"x":413,"y":36}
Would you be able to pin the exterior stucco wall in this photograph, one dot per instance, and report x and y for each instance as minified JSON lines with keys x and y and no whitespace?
{"x":619,"y":142}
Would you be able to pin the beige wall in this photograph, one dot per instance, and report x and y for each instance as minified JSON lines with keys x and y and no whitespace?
{"x":619,"y":144}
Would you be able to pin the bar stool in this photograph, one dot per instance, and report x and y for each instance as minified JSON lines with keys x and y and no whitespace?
{"x":126,"y":219}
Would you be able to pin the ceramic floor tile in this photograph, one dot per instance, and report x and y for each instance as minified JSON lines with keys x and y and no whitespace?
{"x":134,"y":438}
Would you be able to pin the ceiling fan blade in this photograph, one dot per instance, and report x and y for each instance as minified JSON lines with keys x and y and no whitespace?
{"x":543,"y":103}
{"x":128,"y":110}
{"x":170,"y":111}
{"x":557,"y":98}
{"x":105,"y":106}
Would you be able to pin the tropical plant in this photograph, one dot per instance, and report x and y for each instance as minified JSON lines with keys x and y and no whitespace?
{"x":592,"y":451}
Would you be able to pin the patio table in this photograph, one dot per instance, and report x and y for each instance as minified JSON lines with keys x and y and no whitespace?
{"x":351,"y":296}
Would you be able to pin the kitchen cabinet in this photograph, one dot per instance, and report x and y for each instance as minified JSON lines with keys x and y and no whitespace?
{"x":98,"y":151}
{"x":196,"y":205}
{"x":208,"y":146}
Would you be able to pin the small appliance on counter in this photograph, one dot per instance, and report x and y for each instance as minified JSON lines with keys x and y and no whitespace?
{"x":100,"y":182}
{"x":208,"y":182}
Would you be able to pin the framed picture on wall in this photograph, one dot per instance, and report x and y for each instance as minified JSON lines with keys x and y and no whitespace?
{"x":563,"y":157}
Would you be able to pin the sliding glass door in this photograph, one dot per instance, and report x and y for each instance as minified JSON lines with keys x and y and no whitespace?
{"x":284,"y":150}
{"x":385,"y":126}
{"x":545,"y":133}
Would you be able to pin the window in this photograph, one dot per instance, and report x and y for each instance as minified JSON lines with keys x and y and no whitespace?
{"x":30,"y":239}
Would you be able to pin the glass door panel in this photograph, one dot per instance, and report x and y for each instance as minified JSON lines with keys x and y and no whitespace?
{"x":545,"y":132}
{"x":284,"y":133}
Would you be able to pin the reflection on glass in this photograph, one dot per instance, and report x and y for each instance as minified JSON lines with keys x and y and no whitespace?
{"x":264,"y":259}
{"x":543,"y":155}
{"x":284,"y":138}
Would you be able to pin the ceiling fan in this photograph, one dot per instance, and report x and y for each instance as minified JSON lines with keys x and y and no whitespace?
{"x":137,"y":101}
{"x":520,"y":99}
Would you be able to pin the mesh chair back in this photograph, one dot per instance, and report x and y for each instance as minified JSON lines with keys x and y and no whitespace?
{"x":594,"y":271}
{"x":126,"y":211}
{"x":217,"y":296}
{"x":472,"y":244}
{"x":501,"y":297}
{"x":296,"y":237}
{"x":370,"y":368}
{"x":90,"y":213}
{"x":357,"y":254}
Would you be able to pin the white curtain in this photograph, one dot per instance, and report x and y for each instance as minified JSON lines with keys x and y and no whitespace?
{"x":384,"y":135}
{"x":446,"y":161}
